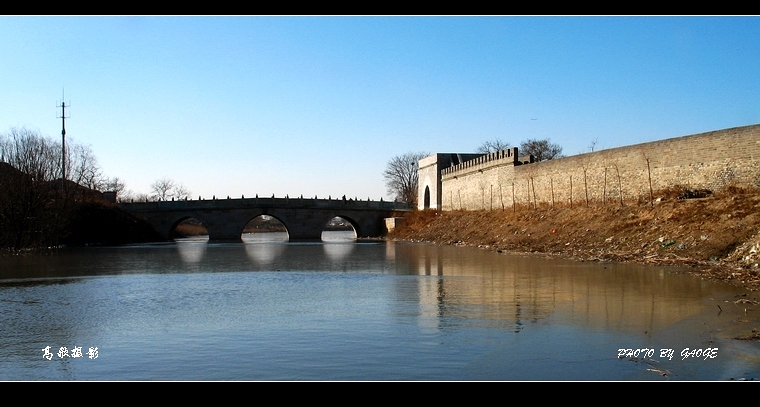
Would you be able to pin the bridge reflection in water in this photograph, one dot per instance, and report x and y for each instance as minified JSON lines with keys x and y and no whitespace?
{"x":304,"y":218}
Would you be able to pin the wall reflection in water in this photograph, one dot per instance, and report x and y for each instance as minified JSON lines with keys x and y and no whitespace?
{"x":518,"y":289}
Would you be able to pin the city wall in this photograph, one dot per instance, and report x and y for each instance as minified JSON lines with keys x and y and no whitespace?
{"x":710,"y":160}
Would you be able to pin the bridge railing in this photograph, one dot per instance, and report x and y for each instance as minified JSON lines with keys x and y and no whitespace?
{"x":298,"y":202}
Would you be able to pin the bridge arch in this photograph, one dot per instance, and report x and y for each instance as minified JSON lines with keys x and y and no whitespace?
{"x":187,"y":226}
{"x":264,"y":227}
{"x":332,"y":228}
{"x":426,"y":200}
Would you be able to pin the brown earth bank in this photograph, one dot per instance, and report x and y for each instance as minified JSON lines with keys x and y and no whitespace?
{"x":716,"y":235}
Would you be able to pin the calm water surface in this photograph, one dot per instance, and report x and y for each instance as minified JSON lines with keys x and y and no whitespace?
{"x":346,"y":310}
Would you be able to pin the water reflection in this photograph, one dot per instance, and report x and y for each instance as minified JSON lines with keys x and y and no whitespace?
{"x":338,"y":251}
{"x":338,"y":244}
{"x":264,"y":253}
{"x":264,"y":237}
{"x":515,"y":289}
{"x":191,"y":250}
{"x":343,"y":236}
{"x":352,"y":310}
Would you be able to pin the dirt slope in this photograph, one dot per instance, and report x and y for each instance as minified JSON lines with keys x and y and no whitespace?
{"x":716,"y":234}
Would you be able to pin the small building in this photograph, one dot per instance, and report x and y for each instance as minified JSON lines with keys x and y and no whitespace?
{"x":429,"y":176}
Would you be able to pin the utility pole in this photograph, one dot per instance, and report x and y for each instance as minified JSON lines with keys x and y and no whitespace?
{"x":63,"y":118}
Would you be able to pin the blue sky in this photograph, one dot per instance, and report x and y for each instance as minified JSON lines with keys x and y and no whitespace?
{"x":318,"y":105}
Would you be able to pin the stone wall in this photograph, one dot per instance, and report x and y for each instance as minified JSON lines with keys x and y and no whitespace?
{"x":710,"y":160}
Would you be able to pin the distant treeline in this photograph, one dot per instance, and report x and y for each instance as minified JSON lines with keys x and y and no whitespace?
{"x":40,"y":206}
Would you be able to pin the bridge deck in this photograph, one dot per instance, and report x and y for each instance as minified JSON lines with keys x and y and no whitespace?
{"x":235,"y":203}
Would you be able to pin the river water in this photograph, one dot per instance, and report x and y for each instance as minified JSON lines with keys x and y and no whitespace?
{"x":267,"y":309}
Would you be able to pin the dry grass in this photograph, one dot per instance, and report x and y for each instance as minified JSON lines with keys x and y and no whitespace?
{"x":190,"y":227}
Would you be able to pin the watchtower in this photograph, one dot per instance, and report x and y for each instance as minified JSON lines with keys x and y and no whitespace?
{"x":429,"y":194}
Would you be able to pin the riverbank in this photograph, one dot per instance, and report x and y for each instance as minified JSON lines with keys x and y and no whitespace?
{"x":717,"y":236}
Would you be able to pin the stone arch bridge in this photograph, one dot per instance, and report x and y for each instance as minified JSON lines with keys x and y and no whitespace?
{"x":304,"y":218}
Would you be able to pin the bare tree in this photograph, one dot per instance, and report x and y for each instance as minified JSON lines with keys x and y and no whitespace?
{"x":128,"y":195}
{"x":592,"y":145}
{"x":30,"y":164}
{"x":165,"y":189}
{"x":180,"y":192}
{"x":492,"y":146}
{"x":162,"y":188}
{"x":30,"y":153}
{"x":82,"y":167}
{"x":401,"y":176}
{"x":113,"y":184}
{"x":36,"y":203}
{"x":541,"y":150}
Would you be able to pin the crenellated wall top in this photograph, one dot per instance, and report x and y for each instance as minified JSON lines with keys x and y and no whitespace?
{"x":508,"y":156}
